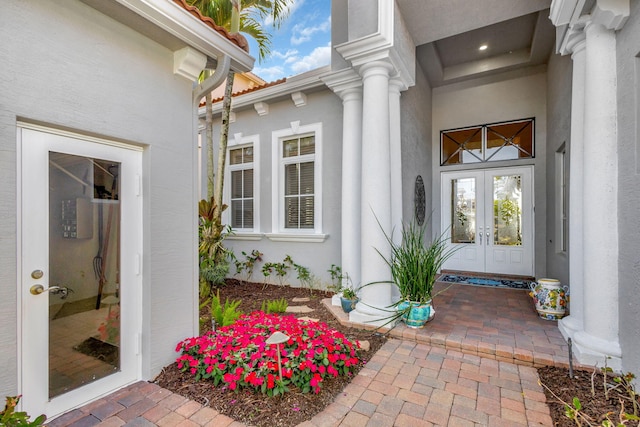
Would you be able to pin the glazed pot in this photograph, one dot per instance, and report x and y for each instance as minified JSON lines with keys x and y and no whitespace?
{"x":416,"y":315}
{"x":550,"y":298}
{"x":348,"y":304}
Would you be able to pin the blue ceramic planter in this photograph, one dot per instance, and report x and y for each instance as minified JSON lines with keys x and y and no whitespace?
{"x":415,"y":315}
{"x":348,"y":304}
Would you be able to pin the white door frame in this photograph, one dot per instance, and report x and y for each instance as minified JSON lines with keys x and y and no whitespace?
{"x":482,"y":255}
{"x":33,"y":145}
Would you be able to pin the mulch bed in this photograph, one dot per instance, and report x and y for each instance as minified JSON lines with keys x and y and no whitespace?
{"x":257,"y":409}
{"x":595,"y":405}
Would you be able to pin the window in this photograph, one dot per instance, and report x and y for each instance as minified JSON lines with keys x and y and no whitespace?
{"x":241,"y":189}
{"x":297,"y":193}
{"x":298,"y":156}
{"x":488,"y":143}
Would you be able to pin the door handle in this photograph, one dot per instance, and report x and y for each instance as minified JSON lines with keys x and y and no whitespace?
{"x":38,"y":289}
{"x":480,"y":234}
{"x":487,"y":238}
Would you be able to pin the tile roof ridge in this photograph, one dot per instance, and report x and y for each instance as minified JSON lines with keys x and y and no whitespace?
{"x":249,"y":90}
{"x":237,"y":38}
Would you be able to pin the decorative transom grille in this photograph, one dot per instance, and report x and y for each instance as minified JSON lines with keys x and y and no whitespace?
{"x":487,"y":143}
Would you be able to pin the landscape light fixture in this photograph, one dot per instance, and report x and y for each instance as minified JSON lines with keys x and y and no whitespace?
{"x":278,"y":338}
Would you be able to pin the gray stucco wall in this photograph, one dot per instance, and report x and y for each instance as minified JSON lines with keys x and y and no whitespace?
{"x":510,"y":96}
{"x":628,"y":62}
{"x":363,"y":18}
{"x":66,"y":65}
{"x":322,"y":107}
{"x":559,"y":79}
{"x":416,"y":124}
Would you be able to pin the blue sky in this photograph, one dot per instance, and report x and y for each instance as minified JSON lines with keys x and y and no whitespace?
{"x":302,"y":43}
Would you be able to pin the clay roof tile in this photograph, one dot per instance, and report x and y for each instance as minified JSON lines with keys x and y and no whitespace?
{"x":238,"y":39}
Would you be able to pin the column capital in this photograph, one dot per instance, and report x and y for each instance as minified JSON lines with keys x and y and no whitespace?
{"x":343,"y":83}
{"x":571,"y":20}
{"x":376,"y":67}
{"x":611,"y":14}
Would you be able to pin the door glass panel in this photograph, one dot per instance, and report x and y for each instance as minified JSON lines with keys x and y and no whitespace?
{"x":84,"y":266}
{"x":507,"y":210}
{"x":463,"y":210}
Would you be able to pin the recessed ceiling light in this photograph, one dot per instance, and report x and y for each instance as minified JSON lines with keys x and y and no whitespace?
{"x":483,"y":47}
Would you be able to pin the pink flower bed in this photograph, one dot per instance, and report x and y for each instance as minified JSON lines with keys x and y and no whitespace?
{"x":237,"y":356}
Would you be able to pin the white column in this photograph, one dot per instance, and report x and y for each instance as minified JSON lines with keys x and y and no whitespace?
{"x":376,"y":196}
{"x":351,"y":182}
{"x":395,"y":144}
{"x":574,"y":322}
{"x":600,"y":202}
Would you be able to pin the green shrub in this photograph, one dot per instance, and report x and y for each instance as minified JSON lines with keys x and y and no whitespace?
{"x":10,"y":418}
{"x":275,"y":306}
{"x":224,"y":315}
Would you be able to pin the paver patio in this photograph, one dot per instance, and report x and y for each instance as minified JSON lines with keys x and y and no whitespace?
{"x":473,"y":365}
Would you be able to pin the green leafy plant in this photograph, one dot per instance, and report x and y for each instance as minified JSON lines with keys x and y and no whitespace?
{"x":214,"y":258}
{"x":336,"y":278}
{"x":245,"y":268}
{"x":275,"y":306}
{"x":303,"y":274}
{"x":10,"y":418}
{"x":224,"y":314}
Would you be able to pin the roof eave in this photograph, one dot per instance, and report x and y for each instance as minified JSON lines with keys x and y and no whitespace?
{"x":177,"y":21}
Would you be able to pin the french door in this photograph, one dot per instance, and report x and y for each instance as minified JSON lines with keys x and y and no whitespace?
{"x":488,"y":217}
{"x":80,"y":281}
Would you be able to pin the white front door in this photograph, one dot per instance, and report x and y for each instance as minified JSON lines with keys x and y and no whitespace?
{"x":488,"y":216}
{"x":80,"y":281}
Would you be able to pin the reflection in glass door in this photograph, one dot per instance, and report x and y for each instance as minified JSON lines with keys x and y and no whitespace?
{"x":84,"y":267}
{"x":489,"y":217}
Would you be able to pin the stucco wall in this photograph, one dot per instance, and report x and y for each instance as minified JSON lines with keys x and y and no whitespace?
{"x":363,"y":18}
{"x":558,"y":133}
{"x":628,"y":61}
{"x":66,"y":65}
{"x":514,"y":95}
{"x":415,"y":116}
{"x":322,"y":107}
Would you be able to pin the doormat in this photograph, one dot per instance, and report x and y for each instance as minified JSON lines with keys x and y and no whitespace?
{"x":485,"y":281}
{"x":100,"y":350}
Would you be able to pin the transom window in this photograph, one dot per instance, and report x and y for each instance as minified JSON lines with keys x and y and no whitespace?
{"x":487,"y":143}
{"x":298,"y":158}
{"x":242,"y":191}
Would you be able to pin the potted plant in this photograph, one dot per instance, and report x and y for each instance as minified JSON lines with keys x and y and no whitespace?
{"x":415,"y":264}
{"x":349,"y":299}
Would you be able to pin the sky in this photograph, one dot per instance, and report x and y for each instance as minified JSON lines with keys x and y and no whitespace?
{"x":302,"y":43}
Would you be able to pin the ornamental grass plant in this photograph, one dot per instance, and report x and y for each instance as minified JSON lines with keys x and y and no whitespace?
{"x":416,"y":262}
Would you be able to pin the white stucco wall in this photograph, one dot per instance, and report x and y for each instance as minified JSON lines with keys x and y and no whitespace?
{"x":66,"y":65}
{"x":514,"y":95}
{"x":559,"y":80}
{"x":628,"y":62}
{"x":416,"y":123}
{"x":322,"y":107}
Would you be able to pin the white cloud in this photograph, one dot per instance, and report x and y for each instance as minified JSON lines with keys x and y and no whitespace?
{"x":319,"y":57}
{"x":303,"y":34}
{"x":290,"y":53}
{"x":270,"y":73}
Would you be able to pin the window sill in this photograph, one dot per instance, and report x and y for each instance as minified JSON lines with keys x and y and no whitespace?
{"x":244,"y":236}
{"x":303,"y":238}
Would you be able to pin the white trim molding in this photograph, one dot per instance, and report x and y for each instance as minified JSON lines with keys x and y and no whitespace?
{"x":239,"y":141}
{"x":277,"y":191}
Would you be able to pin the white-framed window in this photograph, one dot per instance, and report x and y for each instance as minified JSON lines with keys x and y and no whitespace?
{"x":562,"y":208}
{"x":297,"y":184}
{"x":242,"y":185}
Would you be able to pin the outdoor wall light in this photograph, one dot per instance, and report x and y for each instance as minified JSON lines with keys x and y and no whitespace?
{"x":483,"y":47}
{"x":278,"y":338}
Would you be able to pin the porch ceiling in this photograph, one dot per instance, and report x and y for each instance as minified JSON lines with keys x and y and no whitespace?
{"x":448,"y":35}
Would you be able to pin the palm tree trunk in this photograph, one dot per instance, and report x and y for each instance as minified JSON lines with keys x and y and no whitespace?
{"x":222,"y":150}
